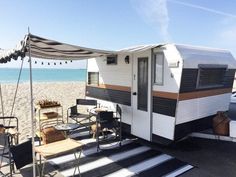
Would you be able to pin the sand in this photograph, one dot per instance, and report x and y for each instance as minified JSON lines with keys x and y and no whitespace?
{"x":64,"y":92}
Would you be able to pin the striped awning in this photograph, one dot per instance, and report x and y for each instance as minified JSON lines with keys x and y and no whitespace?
{"x":50,"y":49}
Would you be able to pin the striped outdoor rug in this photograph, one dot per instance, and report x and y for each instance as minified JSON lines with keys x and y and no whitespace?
{"x":131,"y":159}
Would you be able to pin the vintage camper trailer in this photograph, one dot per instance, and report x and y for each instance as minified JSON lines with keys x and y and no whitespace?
{"x":165,"y":91}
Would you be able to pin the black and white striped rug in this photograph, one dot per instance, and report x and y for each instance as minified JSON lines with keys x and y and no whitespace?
{"x":131,"y":159}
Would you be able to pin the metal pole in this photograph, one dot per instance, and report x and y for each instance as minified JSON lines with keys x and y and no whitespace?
{"x":32,"y":106}
{"x":2,"y":102}
{"x":86,"y":82}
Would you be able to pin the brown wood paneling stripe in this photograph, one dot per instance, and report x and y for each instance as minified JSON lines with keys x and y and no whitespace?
{"x":191,"y":95}
{"x":205,"y":93}
{"x":169,"y":95}
{"x":113,"y":87}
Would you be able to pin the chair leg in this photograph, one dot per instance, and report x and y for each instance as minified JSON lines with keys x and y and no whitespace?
{"x":40,"y":167}
{"x":37,"y":168}
{"x":120,"y":137}
{"x":94,"y":135}
{"x":77,"y":160}
{"x":97,"y":136}
{"x":11,"y":165}
{"x":104,"y":134}
{"x":43,"y":165}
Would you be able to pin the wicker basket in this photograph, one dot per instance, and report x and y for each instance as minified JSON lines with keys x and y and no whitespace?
{"x":50,"y":135}
{"x":221,"y":124}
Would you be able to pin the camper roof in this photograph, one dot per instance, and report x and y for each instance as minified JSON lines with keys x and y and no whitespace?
{"x":193,"y":55}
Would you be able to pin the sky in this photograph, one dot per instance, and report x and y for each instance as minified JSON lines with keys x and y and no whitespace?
{"x":116,"y":24}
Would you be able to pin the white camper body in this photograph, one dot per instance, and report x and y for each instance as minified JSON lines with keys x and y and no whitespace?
{"x":165,"y":91}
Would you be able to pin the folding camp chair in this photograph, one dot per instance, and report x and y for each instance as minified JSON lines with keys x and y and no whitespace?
{"x":5,"y":155}
{"x":11,"y":122}
{"x":79,"y":117}
{"x":73,"y":113}
{"x":9,"y":135}
{"x":106,"y":121}
{"x":22,"y":154}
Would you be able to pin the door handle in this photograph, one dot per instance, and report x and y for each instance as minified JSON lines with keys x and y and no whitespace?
{"x":134,"y":93}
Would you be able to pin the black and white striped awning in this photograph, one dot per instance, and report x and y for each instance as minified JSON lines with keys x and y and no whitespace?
{"x":49,"y":49}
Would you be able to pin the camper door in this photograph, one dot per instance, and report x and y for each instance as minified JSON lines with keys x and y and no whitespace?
{"x":141,"y":121}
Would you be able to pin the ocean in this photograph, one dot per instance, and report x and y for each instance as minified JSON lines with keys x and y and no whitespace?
{"x":10,"y":75}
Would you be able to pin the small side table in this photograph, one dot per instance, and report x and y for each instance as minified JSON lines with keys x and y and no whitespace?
{"x":66,"y":128}
{"x":57,"y":149}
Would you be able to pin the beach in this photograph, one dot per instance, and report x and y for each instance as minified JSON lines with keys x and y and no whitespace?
{"x":64,"y":92}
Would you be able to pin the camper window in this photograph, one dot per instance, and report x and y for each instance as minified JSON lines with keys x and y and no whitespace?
{"x":112,"y":60}
{"x":159,"y":68}
{"x":210,"y":77}
{"x":93,"y":78}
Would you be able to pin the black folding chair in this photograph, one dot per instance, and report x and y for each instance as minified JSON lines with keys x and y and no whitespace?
{"x":79,"y":117}
{"x":106,"y":122}
{"x":11,"y":122}
{"x":7,"y":139}
{"x":22,"y":154}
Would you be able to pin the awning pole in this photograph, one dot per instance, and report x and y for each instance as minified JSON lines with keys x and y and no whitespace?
{"x":2,"y":103}
{"x":32,"y":106}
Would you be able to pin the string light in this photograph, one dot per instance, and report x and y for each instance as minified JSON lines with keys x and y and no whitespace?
{"x":42,"y":63}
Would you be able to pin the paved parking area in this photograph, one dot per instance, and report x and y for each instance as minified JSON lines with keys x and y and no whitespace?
{"x":209,"y":157}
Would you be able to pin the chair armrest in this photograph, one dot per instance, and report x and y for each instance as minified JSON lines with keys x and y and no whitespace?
{"x":70,"y":107}
{"x":68,"y":111}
